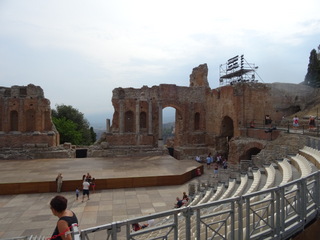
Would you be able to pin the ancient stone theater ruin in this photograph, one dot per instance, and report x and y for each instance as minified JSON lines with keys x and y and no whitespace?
{"x":206,"y":120}
{"x":25,"y":118}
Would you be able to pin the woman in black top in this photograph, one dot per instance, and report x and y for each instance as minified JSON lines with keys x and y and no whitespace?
{"x":66,"y":217}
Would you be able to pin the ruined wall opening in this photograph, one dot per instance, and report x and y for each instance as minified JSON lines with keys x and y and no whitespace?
{"x":168,"y":128}
{"x":129,"y":122}
{"x":30,"y":120}
{"x":197,"y":121}
{"x":143,"y":120}
{"x":250,"y":153}
{"x":227,"y":128}
{"x":14,"y":120}
{"x":81,"y":153}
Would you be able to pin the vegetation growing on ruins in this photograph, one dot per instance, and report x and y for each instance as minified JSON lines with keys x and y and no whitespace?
{"x":312,"y":77}
{"x":72,"y":126}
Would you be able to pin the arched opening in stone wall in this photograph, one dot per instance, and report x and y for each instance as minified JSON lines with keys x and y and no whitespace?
{"x":30,"y":120}
{"x":197,"y":121}
{"x":168,"y":128}
{"x":143,"y":120}
{"x":14,"y":120}
{"x":248,"y":155}
{"x":227,"y":129}
{"x":47,"y":121}
{"x":293,"y":109}
{"x":129,"y":121}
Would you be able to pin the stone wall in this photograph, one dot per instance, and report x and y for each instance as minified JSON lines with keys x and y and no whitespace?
{"x":25,"y":117}
{"x":138,"y":115}
{"x":206,"y":118}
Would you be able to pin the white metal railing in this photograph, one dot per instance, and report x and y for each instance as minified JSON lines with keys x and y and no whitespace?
{"x":286,"y":211}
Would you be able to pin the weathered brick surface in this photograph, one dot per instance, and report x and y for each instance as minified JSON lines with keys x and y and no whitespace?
{"x":25,"y":117}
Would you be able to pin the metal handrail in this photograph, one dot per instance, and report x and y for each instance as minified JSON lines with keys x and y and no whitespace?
{"x":286,"y":210}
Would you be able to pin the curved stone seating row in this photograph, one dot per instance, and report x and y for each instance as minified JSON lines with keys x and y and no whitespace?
{"x":243,"y":184}
{"x":218,"y":193}
{"x":256,"y":181}
{"x":313,"y":153}
{"x":302,"y":164}
{"x":196,"y":200}
{"x":286,"y":170}
{"x":299,"y":161}
{"x":271,"y":177}
{"x":230,"y":189}
{"x":207,"y":196}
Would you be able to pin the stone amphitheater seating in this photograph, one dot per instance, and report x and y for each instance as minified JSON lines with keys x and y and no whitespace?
{"x":218,"y":193}
{"x":314,"y":155}
{"x":230,"y":189}
{"x":299,"y":161}
{"x":286,"y":171}
{"x":207,"y":196}
{"x":256,"y":181}
{"x":271,"y":176}
{"x":302,"y":164}
{"x":243,"y":184}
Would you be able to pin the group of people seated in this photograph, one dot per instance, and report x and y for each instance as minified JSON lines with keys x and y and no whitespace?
{"x":138,"y":226}
{"x":182,"y":202}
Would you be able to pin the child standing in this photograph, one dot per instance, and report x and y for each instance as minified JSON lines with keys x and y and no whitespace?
{"x":93,"y":185}
{"x":77,"y":193}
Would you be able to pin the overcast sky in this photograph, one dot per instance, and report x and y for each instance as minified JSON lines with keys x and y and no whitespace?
{"x":79,"y":51}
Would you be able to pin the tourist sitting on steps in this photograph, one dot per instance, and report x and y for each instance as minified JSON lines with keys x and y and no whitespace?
{"x":179,"y":203}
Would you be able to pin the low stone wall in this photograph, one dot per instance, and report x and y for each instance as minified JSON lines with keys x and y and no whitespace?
{"x":32,"y":140}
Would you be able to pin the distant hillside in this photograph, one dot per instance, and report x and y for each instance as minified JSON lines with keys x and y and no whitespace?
{"x":312,"y":109}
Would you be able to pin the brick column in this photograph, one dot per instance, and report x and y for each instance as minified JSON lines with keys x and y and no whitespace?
{"x":137,"y":116}
{"x":160,"y":119}
{"x":149,"y":117}
{"x":121,"y":117}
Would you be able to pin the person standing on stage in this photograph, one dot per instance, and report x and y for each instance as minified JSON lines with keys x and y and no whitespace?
{"x":85,"y":189}
{"x":59,"y":182}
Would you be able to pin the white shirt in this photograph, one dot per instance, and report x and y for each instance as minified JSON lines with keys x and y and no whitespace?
{"x":85,"y":185}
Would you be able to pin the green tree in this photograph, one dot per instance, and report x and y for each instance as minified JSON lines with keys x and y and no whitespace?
{"x":64,"y":112}
{"x":312,"y":77}
{"x":68,"y":130}
{"x":93,"y":135}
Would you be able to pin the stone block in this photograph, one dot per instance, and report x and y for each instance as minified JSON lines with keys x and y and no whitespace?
{"x":67,"y":145}
{"x":105,"y":145}
{"x":41,"y":145}
{"x":29,"y":145}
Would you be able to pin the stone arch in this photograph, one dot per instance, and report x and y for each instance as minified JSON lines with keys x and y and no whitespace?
{"x":115,"y":120}
{"x":14,"y":121}
{"x":249,"y":153}
{"x":143,"y":120}
{"x":30,"y":120}
{"x":129,"y":121}
{"x":227,"y":128}
{"x":197,"y":121}
{"x":178,"y":122}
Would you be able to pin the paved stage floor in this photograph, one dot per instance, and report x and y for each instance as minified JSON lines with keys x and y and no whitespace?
{"x":38,"y":170}
{"x":27,"y":214}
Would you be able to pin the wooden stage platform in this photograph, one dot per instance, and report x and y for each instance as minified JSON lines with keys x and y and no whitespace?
{"x":38,"y":175}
